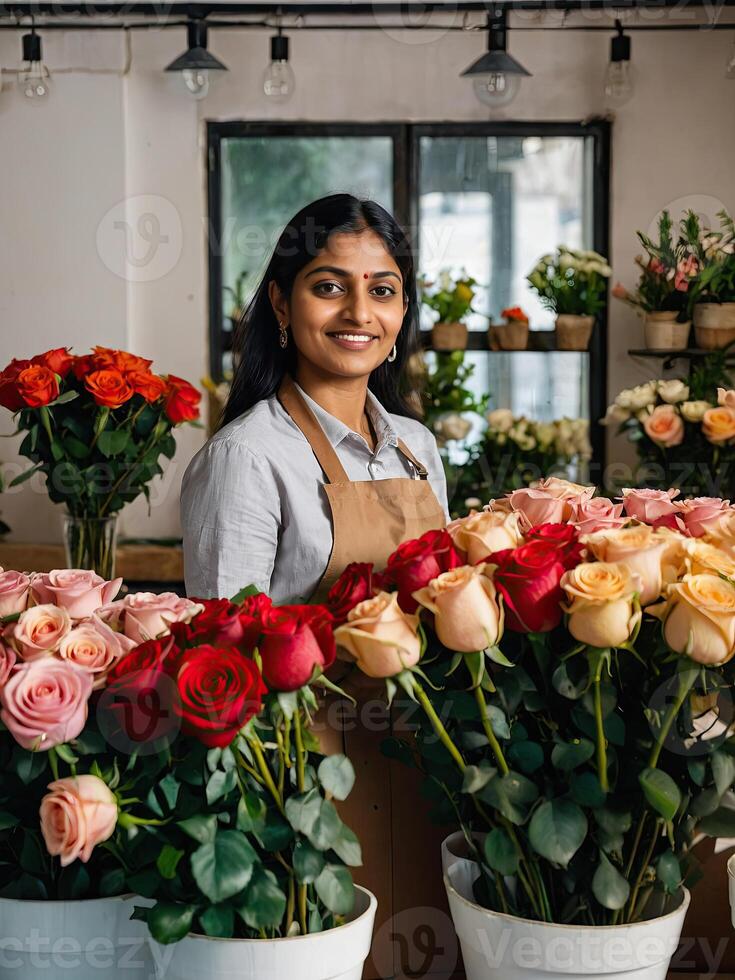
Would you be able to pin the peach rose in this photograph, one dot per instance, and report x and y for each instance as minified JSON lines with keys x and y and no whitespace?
{"x":79,"y":590}
{"x":486,"y":531}
{"x":77,"y":814}
{"x":94,"y":647}
{"x":664,"y":426}
{"x":706,"y":559}
{"x":14,"y":592}
{"x":649,"y":506}
{"x":726,"y":397}
{"x":718,"y":425}
{"x":563,"y":489}
{"x":146,"y":615}
{"x":595,"y":514}
{"x":600,"y":605}
{"x":501,"y":505}
{"x":8,"y":659}
{"x":380,"y":636}
{"x":639,"y":549}
{"x":39,"y":631}
{"x":698,"y":513}
{"x":699,"y":618}
{"x":468,"y":615}
{"x":538,"y":506}
{"x":44,"y":703}
{"x":721,"y":532}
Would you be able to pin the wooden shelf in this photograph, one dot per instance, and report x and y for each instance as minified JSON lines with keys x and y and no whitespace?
{"x":688,"y":352}
{"x":539,"y":342}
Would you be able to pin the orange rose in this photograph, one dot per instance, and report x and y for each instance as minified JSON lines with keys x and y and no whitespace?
{"x":58,"y":360}
{"x":108,"y":387}
{"x":664,"y":426}
{"x":182,"y":400}
{"x":145,"y":383}
{"x":119,"y":359}
{"x":37,"y":385}
{"x":718,"y":424}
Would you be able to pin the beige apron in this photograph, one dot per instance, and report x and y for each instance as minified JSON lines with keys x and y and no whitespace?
{"x":401,"y":858}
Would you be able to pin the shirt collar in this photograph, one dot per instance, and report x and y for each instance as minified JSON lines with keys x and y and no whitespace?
{"x":336,"y":430}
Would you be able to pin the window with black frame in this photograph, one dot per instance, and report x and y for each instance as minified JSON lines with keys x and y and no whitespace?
{"x":484,"y":198}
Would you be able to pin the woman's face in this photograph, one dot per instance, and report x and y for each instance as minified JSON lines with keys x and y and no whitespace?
{"x":346,"y":306}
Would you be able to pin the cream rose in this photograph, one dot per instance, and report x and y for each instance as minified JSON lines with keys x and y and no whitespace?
{"x":721,"y":532}
{"x":77,"y":814}
{"x":39,"y":631}
{"x":718,"y":424}
{"x":639,"y":549}
{"x":600,"y":603}
{"x":664,"y":426}
{"x":484,"y":532}
{"x":95,"y":647}
{"x":694,"y":411}
{"x":726,"y":397}
{"x":699,"y":618}
{"x":468,"y":615}
{"x":500,"y":420}
{"x":706,"y":559}
{"x":673,"y":391}
{"x":380,"y":636}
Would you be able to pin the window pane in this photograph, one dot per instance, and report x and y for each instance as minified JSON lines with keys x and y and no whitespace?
{"x":266,"y":180}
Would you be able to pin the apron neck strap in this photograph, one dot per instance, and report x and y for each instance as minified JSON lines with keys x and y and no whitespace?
{"x":302,"y":415}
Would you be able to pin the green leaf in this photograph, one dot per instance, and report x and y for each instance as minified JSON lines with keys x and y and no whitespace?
{"x":337,"y":776}
{"x":335,"y":888}
{"x":668,"y":871}
{"x":25,"y":475}
{"x":723,"y":770}
{"x":276,"y":834}
{"x":112,"y":883}
{"x":167,"y":861}
{"x":112,"y":442}
{"x":568,"y":755}
{"x":660,"y":791}
{"x":264,"y":903}
{"x":557,"y":830}
{"x":169,"y":922}
{"x":569,"y":685}
{"x":223,"y":867}
{"x":498,"y":657}
{"x":74,"y":882}
{"x":511,"y":795}
{"x":251,"y":813}
{"x":202,"y":827}
{"x":721,"y":823}
{"x":500,"y":852}
{"x":608,"y":886}
{"x":586,"y":789}
{"x":315,"y":817}
{"x":8,"y":820}
{"x":244,"y":593}
{"x":525,"y":755}
{"x":347,"y":848}
{"x":475,"y":778}
{"x":220,"y":784}
{"x":308,"y":863}
{"x":218,"y":921}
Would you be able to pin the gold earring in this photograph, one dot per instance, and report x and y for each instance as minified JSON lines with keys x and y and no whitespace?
{"x":283,"y":335}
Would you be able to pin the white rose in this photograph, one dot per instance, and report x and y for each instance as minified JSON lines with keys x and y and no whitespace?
{"x":615,"y":415}
{"x":500,"y":420}
{"x":673,"y":391}
{"x":694,"y":411}
{"x":452,"y":426}
{"x":642,"y":396}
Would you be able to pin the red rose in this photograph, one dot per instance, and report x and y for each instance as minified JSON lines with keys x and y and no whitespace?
{"x":354,"y":584}
{"x":415,"y":563}
{"x":37,"y":385}
{"x":108,"y":387}
{"x":220,"y":690}
{"x":83,"y":366}
{"x":219,"y":623}
{"x":528,"y":578}
{"x":138,"y":704}
{"x":564,"y":536}
{"x":251,"y":617}
{"x":295,"y":640}
{"x":9,"y":395}
{"x":144,"y":383}
{"x":58,"y":360}
{"x":182,"y":400}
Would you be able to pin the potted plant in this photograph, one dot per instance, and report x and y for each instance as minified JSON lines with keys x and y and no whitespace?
{"x":568,"y":682}
{"x":513,"y":333}
{"x":452,"y":300}
{"x":95,"y":425}
{"x":573,"y":285}
{"x":662,"y":294}
{"x":712,"y":300}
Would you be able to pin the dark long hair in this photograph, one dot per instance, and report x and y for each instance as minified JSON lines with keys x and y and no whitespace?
{"x":262,"y":362}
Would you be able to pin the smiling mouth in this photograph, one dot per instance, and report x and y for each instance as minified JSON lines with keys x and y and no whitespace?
{"x":352,"y":337}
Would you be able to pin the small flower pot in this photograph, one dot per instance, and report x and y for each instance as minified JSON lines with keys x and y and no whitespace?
{"x":573,"y":331}
{"x":512,"y":335}
{"x":449,"y":336}
{"x":663,"y":331}
{"x":714,"y":325}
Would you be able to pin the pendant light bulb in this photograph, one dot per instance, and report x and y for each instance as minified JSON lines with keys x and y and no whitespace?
{"x":496,"y":76}
{"x":196,"y":64}
{"x":34,"y":81}
{"x":279,"y":81}
{"x":619,"y":85}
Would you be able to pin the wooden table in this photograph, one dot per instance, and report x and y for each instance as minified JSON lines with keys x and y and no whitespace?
{"x":135,"y":562}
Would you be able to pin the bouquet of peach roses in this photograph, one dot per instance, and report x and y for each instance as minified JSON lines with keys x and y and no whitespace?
{"x":572,"y":659}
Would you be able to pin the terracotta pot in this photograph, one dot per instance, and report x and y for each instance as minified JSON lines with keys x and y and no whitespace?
{"x":512,"y":335}
{"x":573,"y":331}
{"x":664,"y":332}
{"x":449,"y":336}
{"x":714,"y":325}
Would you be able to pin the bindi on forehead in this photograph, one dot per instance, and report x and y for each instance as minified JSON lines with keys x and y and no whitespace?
{"x":366,"y":275}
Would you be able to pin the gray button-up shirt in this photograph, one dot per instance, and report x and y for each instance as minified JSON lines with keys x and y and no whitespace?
{"x":252,"y":507}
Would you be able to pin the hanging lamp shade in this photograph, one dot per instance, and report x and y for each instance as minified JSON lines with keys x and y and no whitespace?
{"x":496,"y":59}
{"x":196,"y":57}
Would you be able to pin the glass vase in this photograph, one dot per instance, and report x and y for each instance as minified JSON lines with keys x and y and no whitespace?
{"x":90,"y":542}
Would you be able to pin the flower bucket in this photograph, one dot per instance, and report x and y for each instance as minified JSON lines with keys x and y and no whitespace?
{"x":714,"y":325}
{"x":337,"y":954}
{"x":449,"y":336}
{"x":89,"y":939}
{"x":731,"y":885}
{"x":512,"y":335}
{"x":663,"y":331}
{"x":573,"y":331}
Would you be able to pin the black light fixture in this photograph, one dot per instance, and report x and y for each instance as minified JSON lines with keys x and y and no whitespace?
{"x":34,"y":81}
{"x":496,"y":76}
{"x":619,"y":74}
{"x":196,"y":62}
{"x":279,"y":80}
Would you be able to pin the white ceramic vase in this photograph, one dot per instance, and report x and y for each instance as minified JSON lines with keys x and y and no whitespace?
{"x":90,"y":939}
{"x":337,"y":954}
{"x":731,"y":885}
{"x":506,"y":947}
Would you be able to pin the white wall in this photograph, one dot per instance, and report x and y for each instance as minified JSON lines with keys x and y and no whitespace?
{"x":112,"y":138}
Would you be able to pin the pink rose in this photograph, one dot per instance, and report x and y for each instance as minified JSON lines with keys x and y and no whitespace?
{"x":146,"y":615}
{"x":94,"y":647}
{"x":79,"y":590}
{"x":726,"y":397}
{"x":8,"y":658}
{"x":77,"y":813}
{"x":39,"y":631}
{"x":14,"y":588}
{"x":664,"y":426}
{"x":538,"y":506}
{"x":45,"y":703}
{"x":700,"y":513}
{"x":648,"y":506}
{"x":596,"y":514}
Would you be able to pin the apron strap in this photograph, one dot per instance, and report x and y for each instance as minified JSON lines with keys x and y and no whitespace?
{"x":302,"y":415}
